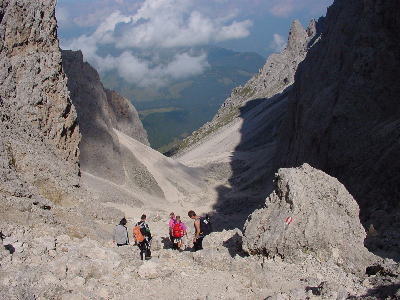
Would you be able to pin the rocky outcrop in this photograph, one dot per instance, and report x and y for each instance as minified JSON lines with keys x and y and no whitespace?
{"x":279,"y":69}
{"x":309,"y":213}
{"x":39,"y":134}
{"x":99,"y":142}
{"x":110,"y":169}
{"x":343,"y":116}
{"x":125,"y":118}
{"x":276,"y":75}
{"x":99,"y":113}
{"x":117,"y":164}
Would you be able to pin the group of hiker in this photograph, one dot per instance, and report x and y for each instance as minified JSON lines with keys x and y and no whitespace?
{"x":177,"y":231}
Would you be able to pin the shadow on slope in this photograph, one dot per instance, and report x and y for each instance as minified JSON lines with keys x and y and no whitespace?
{"x":384,"y":291}
{"x":251,"y":163}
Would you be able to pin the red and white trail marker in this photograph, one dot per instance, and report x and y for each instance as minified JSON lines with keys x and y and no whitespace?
{"x":288,"y":220}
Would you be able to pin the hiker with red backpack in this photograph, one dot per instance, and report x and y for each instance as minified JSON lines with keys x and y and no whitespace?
{"x":179,"y":230}
{"x":142,"y":235}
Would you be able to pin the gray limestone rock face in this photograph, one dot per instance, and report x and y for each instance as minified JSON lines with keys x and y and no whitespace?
{"x":125,"y":117}
{"x":39,"y":134}
{"x":64,"y":251}
{"x":279,"y":69}
{"x":100,"y":112}
{"x":344,"y":109}
{"x":100,"y":149}
{"x":324,"y":222}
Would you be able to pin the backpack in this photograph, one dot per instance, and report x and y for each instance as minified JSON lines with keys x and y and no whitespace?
{"x":177,"y":231}
{"x":205,"y":225}
{"x":137,"y":233}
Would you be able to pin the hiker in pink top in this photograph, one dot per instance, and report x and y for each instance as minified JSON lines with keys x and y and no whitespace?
{"x":178,"y":232}
{"x":171,"y":227}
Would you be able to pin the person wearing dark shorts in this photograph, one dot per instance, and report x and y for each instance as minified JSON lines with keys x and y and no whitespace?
{"x":198,"y":237}
{"x":145,"y":245}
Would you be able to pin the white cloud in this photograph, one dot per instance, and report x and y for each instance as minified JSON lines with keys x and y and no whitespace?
{"x":103,"y":35}
{"x":157,"y":24}
{"x":283,"y":8}
{"x":166,"y":24}
{"x":278,"y":43}
{"x":286,"y":8}
{"x":63,"y":16}
{"x":143,"y":73}
{"x":175,"y":23}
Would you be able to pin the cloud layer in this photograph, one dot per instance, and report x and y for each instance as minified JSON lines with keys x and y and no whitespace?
{"x":143,"y":73}
{"x":286,"y":8}
{"x":278,"y":43}
{"x":130,"y":27}
{"x":157,"y":24}
{"x":176,"y":23}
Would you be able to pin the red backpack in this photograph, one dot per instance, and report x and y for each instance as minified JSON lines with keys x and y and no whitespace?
{"x":177,"y":231}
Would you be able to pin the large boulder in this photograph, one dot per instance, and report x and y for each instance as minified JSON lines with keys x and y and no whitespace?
{"x":325,"y":221}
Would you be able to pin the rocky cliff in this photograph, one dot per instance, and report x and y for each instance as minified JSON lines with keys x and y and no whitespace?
{"x":125,"y":118}
{"x":99,"y":112}
{"x":39,"y":137}
{"x":117,"y":164}
{"x":276,"y":75}
{"x":39,"y":134}
{"x":344,"y":109}
{"x":279,"y":69}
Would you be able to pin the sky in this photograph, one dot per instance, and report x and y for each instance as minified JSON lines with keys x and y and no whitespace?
{"x":131,"y":37}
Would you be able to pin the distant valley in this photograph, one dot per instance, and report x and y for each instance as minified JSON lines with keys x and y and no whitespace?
{"x":171,"y":113}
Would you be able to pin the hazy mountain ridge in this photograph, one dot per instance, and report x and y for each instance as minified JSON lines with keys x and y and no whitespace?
{"x":276,"y":75}
{"x":189,"y":102}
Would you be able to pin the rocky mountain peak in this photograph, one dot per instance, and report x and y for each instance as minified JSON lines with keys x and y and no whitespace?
{"x":274,"y":77}
{"x":297,"y":37}
{"x":312,"y":28}
{"x":73,"y":55}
